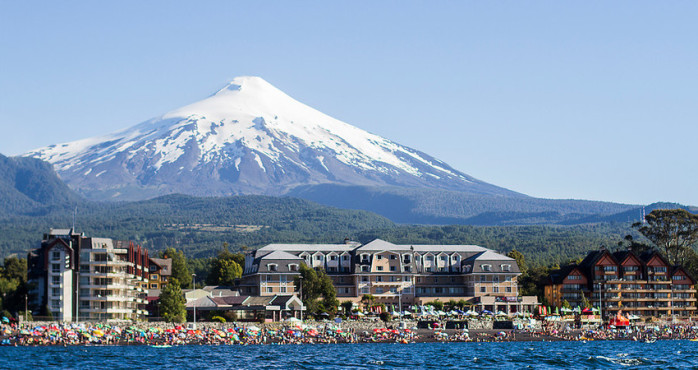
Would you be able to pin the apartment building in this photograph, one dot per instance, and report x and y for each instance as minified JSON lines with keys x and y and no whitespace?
{"x":645,"y":285}
{"x":393,"y":274}
{"x":83,"y":278}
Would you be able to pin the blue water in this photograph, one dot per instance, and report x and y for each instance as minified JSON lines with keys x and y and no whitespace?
{"x":538,"y":355}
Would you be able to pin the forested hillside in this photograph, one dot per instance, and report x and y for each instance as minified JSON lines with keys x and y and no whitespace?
{"x":199,"y":226}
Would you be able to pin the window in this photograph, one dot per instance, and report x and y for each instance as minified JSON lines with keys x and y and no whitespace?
{"x":677,"y":277}
{"x":153,"y":286}
{"x":55,"y":291}
{"x":364,"y":279}
{"x":393,"y":290}
{"x":443,"y":258}
{"x":272,"y":267}
{"x":392,"y":268}
{"x":269,"y":290}
{"x":379,"y":268}
{"x":495,"y":279}
{"x":436,"y":280}
{"x":56,"y":255}
{"x":345,"y":257}
{"x":486,"y":267}
{"x":55,"y":267}
{"x":506,"y":267}
{"x":56,"y":303}
{"x":318,"y":257}
{"x":408,"y":268}
{"x":55,"y":280}
{"x":507,"y":289}
{"x":406,"y":258}
{"x":364,"y":268}
{"x":379,"y":290}
{"x":483,"y":289}
{"x":154,"y":277}
{"x":293,"y":267}
{"x":379,"y":279}
{"x":575,"y":277}
{"x":419,"y":280}
{"x":495,"y":290}
{"x":333,"y":258}
{"x":365,"y":290}
{"x":392,"y":257}
{"x":380,"y":257}
{"x":282,"y":289}
{"x":430,"y":258}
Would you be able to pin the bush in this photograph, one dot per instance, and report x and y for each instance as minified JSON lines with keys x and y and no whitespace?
{"x":386,"y":316}
{"x":218,"y":319}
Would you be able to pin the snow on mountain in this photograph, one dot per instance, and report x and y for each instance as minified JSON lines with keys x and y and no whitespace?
{"x":249,"y":137}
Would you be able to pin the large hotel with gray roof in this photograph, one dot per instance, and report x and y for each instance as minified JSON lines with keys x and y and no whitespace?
{"x":393,"y":273}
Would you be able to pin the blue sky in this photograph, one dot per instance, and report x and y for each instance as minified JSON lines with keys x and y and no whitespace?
{"x":584,"y":100}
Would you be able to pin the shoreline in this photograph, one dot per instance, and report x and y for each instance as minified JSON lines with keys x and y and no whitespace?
{"x":419,"y":336}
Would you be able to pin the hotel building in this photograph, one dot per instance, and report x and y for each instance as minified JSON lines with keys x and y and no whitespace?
{"x":79,"y":278}
{"x":393,"y":274}
{"x":645,"y":285}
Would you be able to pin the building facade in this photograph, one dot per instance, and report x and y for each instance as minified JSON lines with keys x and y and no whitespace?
{"x":645,"y":285}
{"x":82,"y":278}
{"x":396,"y":275}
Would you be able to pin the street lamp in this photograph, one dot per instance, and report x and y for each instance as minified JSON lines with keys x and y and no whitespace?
{"x":194,"y":277}
{"x":300,"y":283}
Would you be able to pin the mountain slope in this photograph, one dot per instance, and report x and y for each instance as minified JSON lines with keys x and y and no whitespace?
{"x":443,"y":207}
{"x":248,"y":138}
{"x":30,"y":186}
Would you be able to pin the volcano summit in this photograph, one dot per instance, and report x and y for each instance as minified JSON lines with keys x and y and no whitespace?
{"x":247,"y":138}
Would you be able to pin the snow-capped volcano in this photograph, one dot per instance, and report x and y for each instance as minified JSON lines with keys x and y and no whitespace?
{"x":248,"y":138}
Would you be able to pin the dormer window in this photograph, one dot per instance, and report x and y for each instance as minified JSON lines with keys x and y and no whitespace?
{"x":272,"y":267}
{"x":486,"y":267}
{"x":506,"y":267}
{"x":293,"y":267}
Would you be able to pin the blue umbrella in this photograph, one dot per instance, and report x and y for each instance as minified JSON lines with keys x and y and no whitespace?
{"x":5,"y":319}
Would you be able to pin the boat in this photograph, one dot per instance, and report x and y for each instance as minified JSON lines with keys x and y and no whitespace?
{"x":160,"y":345}
{"x":650,"y":340}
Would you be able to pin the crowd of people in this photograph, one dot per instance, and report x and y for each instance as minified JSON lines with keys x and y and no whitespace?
{"x":222,"y":334}
{"x":68,"y":334}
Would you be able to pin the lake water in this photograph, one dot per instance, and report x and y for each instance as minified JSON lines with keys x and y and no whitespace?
{"x":539,"y":355}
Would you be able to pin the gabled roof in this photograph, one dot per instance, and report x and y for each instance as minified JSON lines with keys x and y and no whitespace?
{"x":279,"y":255}
{"x":258,"y":301}
{"x":557,"y":276}
{"x":165,"y":265}
{"x":229,"y":300}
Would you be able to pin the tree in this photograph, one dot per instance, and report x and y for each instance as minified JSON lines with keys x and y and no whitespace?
{"x":629,"y":243}
{"x":228,"y":271}
{"x":226,"y":267}
{"x":673,"y":231}
{"x":180,"y":270}
{"x":585,"y":302}
{"x":347,"y":306}
{"x":519,"y":258}
{"x":172,"y":302}
{"x":566,"y":304}
{"x":317,"y":284}
{"x":368,"y":300}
